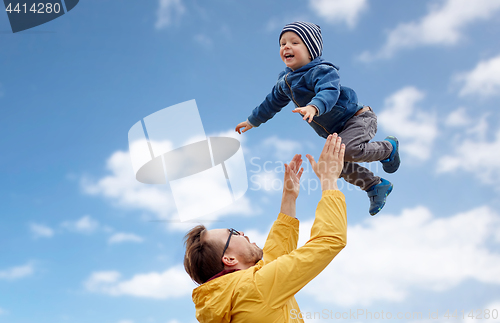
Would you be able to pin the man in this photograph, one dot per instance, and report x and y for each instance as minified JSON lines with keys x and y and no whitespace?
{"x":241,"y":282}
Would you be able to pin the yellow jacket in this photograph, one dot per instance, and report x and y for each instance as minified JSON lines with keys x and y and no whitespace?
{"x":265,"y":292}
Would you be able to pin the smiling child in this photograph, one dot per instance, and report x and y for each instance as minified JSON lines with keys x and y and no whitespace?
{"x":313,"y":84}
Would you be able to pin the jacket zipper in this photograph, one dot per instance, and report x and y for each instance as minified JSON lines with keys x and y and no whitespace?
{"x":298,"y":106}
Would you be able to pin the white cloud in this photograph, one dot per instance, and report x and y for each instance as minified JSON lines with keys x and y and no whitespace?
{"x":83,"y":225}
{"x":17,"y":272}
{"x":388,"y":259}
{"x":120,"y":237}
{"x":469,"y":126}
{"x":283,"y":149}
{"x":41,"y":231}
{"x":493,"y":305}
{"x":204,"y":40}
{"x":102,"y":277}
{"x":122,"y":189}
{"x":266,"y":181}
{"x":415,"y":127}
{"x":457,"y":118}
{"x":483,"y":80}
{"x":168,"y":11}
{"x":229,"y":133}
{"x":474,"y":155}
{"x":267,"y":173}
{"x":171,"y":283}
{"x":339,"y":11}
{"x":443,"y":25}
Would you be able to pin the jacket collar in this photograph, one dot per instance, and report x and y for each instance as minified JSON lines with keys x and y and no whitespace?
{"x":222,"y":273}
{"x":317,"y":61}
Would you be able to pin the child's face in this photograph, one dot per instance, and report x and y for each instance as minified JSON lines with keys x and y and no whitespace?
{"x":293,"y":51}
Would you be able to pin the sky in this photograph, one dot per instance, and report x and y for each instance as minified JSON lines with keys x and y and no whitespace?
{"x":82,"y":241}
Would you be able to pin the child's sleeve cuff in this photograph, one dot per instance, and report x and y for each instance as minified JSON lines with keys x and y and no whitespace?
{"x":248,"y":121}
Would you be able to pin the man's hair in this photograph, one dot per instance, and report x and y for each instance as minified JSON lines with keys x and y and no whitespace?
{"x":203,"y":258}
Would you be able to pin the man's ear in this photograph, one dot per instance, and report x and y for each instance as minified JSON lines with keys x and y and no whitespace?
{"x":229,"y":261}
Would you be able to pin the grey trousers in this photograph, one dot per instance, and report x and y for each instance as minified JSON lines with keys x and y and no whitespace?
{"x":356,"y":134}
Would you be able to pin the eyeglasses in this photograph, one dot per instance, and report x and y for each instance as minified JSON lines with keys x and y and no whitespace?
{"x":231,"y":233}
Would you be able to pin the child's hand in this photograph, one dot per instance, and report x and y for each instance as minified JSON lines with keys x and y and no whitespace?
{"x":308,"y":112}
{"x":243,"y":124}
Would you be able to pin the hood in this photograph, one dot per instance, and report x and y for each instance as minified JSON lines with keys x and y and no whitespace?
{"x":315,"y":62}
{"x":213,"y":298}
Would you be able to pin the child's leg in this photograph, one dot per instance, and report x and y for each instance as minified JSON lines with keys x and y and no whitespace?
{"x":355,"y":174}
{"x":357,"y":133}
{"x":377,"y":188}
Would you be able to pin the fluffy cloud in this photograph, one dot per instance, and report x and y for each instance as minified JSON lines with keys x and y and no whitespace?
{"x":388,"y":259}
{"x":168,"y":11}
{"x":41,"y":231}
{"x":474,"y":155}
{"x":339,"y":11}
{"x":443,"y":25}
{"x":17,"y":272}
{"x":266,"y":181}
{"x":267,"y":173}
{"x":121,"y":188}
{"x":171,"y":283}
{"x":120,"y":237}
{"x":483,"y":80}
{"x":83,"y":225}
{"x":124,"y":190}
{"x":416,"y":127}
{"x":457,"y":118}
{"x":283,"y":149}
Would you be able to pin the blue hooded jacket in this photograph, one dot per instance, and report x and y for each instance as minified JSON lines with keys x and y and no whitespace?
{"x":318,"y":84}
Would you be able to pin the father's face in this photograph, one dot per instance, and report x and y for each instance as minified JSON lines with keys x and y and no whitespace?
{"x":240,"y":247}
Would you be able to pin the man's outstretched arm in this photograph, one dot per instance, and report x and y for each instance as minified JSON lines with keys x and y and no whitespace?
{"x":281,"y":279}
{"x":284,"y":234}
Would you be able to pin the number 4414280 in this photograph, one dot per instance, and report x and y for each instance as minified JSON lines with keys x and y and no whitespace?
{"x":35,"y":8}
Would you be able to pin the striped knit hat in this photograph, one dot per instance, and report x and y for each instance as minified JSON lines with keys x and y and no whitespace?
{"x":310,"y":35}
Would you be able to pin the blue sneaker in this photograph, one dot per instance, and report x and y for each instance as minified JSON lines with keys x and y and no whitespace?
{"x":377,"y":194}
{"x":391,"y":164}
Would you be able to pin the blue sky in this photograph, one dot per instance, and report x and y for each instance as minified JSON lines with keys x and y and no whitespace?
{"x":82,"y":241}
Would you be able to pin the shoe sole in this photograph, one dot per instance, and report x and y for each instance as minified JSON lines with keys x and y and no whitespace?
{"x":385,"y":198}
{"x":397,"y":147}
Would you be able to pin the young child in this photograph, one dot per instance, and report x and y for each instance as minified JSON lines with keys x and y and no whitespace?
{"x":313,"y":85}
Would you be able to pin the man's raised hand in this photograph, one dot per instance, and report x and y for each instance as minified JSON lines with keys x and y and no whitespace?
{"x":330,"y":162}
{"x":293,"y":172}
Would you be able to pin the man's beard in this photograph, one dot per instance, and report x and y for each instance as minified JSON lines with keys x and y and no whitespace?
{"x":255,"y":255}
